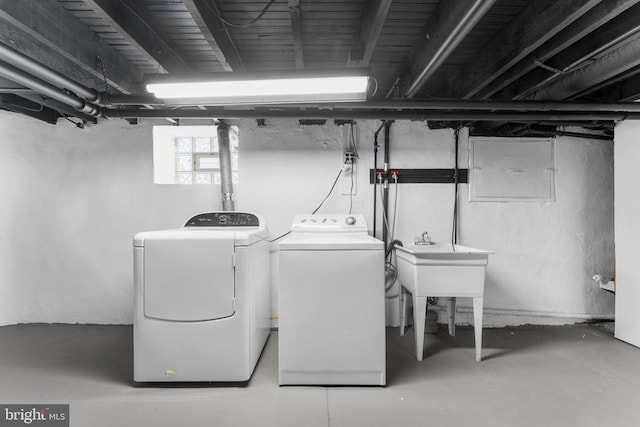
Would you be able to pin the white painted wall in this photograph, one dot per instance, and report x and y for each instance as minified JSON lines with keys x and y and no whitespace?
{"x":627,"y":233}
{"x":73,"y":199}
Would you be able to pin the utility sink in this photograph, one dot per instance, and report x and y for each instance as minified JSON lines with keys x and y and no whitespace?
{"x":441,"y":270}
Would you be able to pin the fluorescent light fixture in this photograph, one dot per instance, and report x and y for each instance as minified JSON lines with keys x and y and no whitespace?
{"x":266,"y":90}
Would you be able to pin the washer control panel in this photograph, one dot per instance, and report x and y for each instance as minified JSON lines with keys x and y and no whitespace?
{"x":224,"y":219}
{"x":329,"y":223}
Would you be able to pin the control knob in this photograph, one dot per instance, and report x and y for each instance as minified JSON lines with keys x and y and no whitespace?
{"x":350,"y":220}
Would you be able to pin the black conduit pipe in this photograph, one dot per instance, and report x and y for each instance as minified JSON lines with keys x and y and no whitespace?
{"x":413,"y":115}
{"x":385,"y":195}
{"x":375,"y":177}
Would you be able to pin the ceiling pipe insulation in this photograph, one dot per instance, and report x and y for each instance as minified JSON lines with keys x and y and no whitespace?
{"x":18,"y":76}
{"x":37,"y":69}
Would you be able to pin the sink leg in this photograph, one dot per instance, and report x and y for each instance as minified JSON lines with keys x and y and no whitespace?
{"x":419,"y":313}
{"x":451,"y":315}
{"x":403,"y":310}
{"x":477,"y":325}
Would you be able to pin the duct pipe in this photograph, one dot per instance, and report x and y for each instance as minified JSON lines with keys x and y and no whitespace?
{"x":559,"y":116}
{"x":226,"y":176}
{"x":453,"y":39}
{"x":46,"y":73}
{"x":18,"y":76}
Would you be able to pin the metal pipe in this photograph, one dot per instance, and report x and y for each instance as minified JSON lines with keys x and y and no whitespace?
{"x":431,"y":104}
{"x":466,"y":24}
{"x":18,"y":76}
{"x":385,"y":195}
{"x":46,"y":73}
{"x":226,"y":176}
{"x":375,"y":177}
{"x":413,"y":115}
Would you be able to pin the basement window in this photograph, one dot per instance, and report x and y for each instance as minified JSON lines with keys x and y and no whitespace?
{"x":190,"y":155}
{"x":511,"y":169}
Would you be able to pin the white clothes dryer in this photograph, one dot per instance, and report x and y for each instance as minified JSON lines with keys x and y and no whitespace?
{"x":331,"y":327}
{"x":201,"y":299}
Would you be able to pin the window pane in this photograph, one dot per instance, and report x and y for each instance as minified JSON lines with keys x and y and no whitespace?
{"x":235,"y":178}
{"x":185,"y":178}
{"x":233,"y":138}
{"x":183,"y":145}
{"x":203,"y":178}
{"x":203,"y":145}
{"x":216,"y":178}
{"x":184,"y":162}
{"x":208,"y":162}
{"x":234,"y":161}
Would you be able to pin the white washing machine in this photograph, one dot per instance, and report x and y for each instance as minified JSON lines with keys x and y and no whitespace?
{"x":201,"y":299}
{"x":331,"y":328}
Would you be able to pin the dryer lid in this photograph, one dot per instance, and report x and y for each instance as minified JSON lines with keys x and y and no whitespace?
{"x":189,"y":279}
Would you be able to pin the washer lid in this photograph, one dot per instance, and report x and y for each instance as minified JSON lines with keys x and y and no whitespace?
{"x":330,"y":241}
{"x":189,"y":279}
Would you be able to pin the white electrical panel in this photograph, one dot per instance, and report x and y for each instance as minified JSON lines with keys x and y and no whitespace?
{"x":511,"y":169}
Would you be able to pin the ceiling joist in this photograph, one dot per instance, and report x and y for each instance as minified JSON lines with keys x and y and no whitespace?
{"x":537,"y":23}
{"x":373,"y":19}
{"x":583,"y":26}
{"x":295,"y":14}
{"x":139,"y":28}
{"x":52,"y":26}
{"x":604,"y":68}
{"x":443,"y":33}
{"x":584,"y":51}
{"x":206,"y":15}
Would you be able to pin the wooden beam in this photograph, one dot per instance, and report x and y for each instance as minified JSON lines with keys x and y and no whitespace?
{"x":537,"y":23}
{"x":446,"y":28}
{"x":606,"y":67}
{"x":295,"y":15}
{"x":52,"y":26}
{"x":583,"y":26}
{"x":136,"y":24}
{"x":373,"y":18}
{"x":206,"y":15}
{"x":616,"y":30}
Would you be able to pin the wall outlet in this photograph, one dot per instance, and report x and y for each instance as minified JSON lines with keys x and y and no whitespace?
{"x":349,"y":157}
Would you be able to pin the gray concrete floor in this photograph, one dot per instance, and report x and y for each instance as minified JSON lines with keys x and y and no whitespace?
{"x":530,"y":376}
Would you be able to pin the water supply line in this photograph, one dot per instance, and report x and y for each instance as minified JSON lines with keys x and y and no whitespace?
{"x":226,"y":175}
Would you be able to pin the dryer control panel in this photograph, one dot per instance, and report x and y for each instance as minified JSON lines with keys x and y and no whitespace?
{"x":329,"y":223}
{"x":224,"y":219}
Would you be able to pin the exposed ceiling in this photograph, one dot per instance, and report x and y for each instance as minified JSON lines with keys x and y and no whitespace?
{"x":508,"y":66}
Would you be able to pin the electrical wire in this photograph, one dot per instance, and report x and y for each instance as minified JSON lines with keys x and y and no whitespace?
{"x":280,"y":236}
{"x":318,"y":208}
{"x":253,"y":21}
{"x":454,"y":227}
{"x":214,"y":9}
{"x":352,"y":142}
{"x":330,"y":191}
